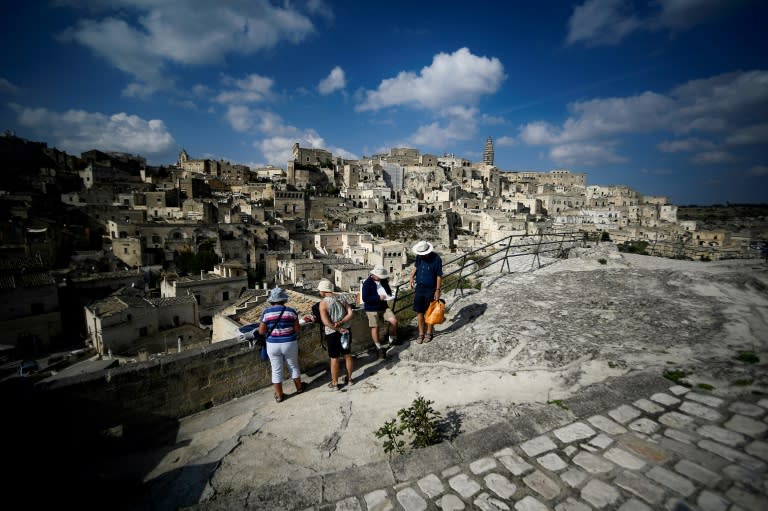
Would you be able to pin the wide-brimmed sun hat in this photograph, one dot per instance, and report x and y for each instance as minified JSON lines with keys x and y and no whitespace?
{"x":380,"y":272}
{"x":422,"y":248}
{"x":278,"y":294}
{"x":325,"y":285}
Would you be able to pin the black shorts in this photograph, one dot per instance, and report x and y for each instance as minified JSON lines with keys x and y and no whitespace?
{"x":334,"y":345}
{"x":422,"y":298}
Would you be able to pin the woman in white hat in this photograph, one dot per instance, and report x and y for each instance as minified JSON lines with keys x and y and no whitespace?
{"x":282,"y":325}
{"x":375,"y":293}
{"x":335,"y":315}
{"x":427,"y":279}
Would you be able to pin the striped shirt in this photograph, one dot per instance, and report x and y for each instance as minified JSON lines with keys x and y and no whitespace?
{"x":284,"y":330}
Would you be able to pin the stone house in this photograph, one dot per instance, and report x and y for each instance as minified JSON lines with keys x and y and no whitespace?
{"x":30,"y":317}
{"x":212,"y":290}
{"x":127,"y":323}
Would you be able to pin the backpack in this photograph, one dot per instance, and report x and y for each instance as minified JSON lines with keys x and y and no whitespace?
{"x":336,"y":310}
{"x":316,"y":314}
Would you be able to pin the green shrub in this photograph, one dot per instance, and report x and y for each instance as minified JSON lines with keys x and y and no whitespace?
{"x":743,"y":382}
{"x":705,"y":386}
{"x":419,"y":421}
{"x":602,"y":260}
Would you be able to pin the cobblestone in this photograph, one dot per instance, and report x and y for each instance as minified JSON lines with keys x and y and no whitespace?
{"x":710,"y":461}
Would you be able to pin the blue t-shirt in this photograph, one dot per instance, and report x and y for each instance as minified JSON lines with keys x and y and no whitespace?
{"x":428,"y":268}
{"x":284,"y":330}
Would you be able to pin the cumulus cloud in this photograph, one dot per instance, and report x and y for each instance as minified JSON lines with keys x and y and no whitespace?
{"x":333,"y":82}
{"x":608,"y":22}
{"x":505,"y":141}
{"x":456,"y":78}
{"x":723,"y":107}
{"x":251,"y":89}
{"x":276,"y":146}
{"x":76,"y":131}
{"x":455,"y":123}
{"x":141,"y":37}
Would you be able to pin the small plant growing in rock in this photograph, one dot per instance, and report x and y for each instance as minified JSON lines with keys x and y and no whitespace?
{"x":419,"y":421}
{"x":602,"y":260}
{"x":743,"y":382}
{"x":748,"y":357}
{"x":677,"y":376}
{"x":558,"y":402}
{"x":705,"y":386}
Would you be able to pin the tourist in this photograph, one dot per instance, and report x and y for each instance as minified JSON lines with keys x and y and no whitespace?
{"x":335,"y":315}
{"x":427,"y":279}
{"x":375,"y":294}
{"x":280,"y":325}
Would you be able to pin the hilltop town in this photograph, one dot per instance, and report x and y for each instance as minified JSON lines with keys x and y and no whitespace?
{"x":107,"y":255}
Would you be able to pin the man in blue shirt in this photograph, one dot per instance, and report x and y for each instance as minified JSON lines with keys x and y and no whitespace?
{"x":427,"y":279}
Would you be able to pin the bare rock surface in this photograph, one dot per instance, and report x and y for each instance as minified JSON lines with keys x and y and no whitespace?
{"x":525,"y":339}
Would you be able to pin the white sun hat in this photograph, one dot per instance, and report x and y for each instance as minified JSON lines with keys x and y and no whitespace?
{"x":422,"y":248}
{"x":380,"y":272}
{"x":325,"y":285}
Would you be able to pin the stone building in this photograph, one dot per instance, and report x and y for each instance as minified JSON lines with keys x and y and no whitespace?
{"x":127,"y":323}
{"x":30,"y":317}
{"x":211,"y":290}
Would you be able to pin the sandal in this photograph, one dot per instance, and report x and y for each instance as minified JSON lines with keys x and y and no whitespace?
{"x":278,"y":399}
{"x":334,"y":386}
{"x":420,"y":339}
{"x":348,"y":381}
{"x":301,"y":389}
{"x":428,"y":338}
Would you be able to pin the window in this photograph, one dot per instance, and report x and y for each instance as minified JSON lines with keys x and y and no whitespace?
{"x":37,"y":308}
{"x":143,"y":331}
{"x":225,"y":295}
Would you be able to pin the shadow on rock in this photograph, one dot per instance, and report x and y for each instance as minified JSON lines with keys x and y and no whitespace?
{"x":467,"y":314}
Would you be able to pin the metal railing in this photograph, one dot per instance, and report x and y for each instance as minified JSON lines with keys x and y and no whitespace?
{"x":553,"y":244}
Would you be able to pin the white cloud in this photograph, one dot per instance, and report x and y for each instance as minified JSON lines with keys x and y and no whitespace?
{"x":723,"y":107}
{"x":149,"y":34}
{"x":7,"y":87}
{"x":457,"y":123}
{"x":251,"y":89}
{"x":240,"y":117}
{"x":608,"y":22}
{"x":597,"y":22}
{"x":76,"y":131}
{"x":276,"y":147}
{"x":333,"y":82}
{"x":456,"y":78}
{"x":574,"y":155}
{"x":686,"y":145}
{"x":755,"y":134}
{"x":505,"y":141}
{"x":712,"y":157}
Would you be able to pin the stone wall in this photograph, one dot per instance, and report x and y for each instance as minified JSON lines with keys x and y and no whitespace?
{"x":148,"y":395}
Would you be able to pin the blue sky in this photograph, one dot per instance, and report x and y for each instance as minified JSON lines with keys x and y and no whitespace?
{"x":669,"y":97}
